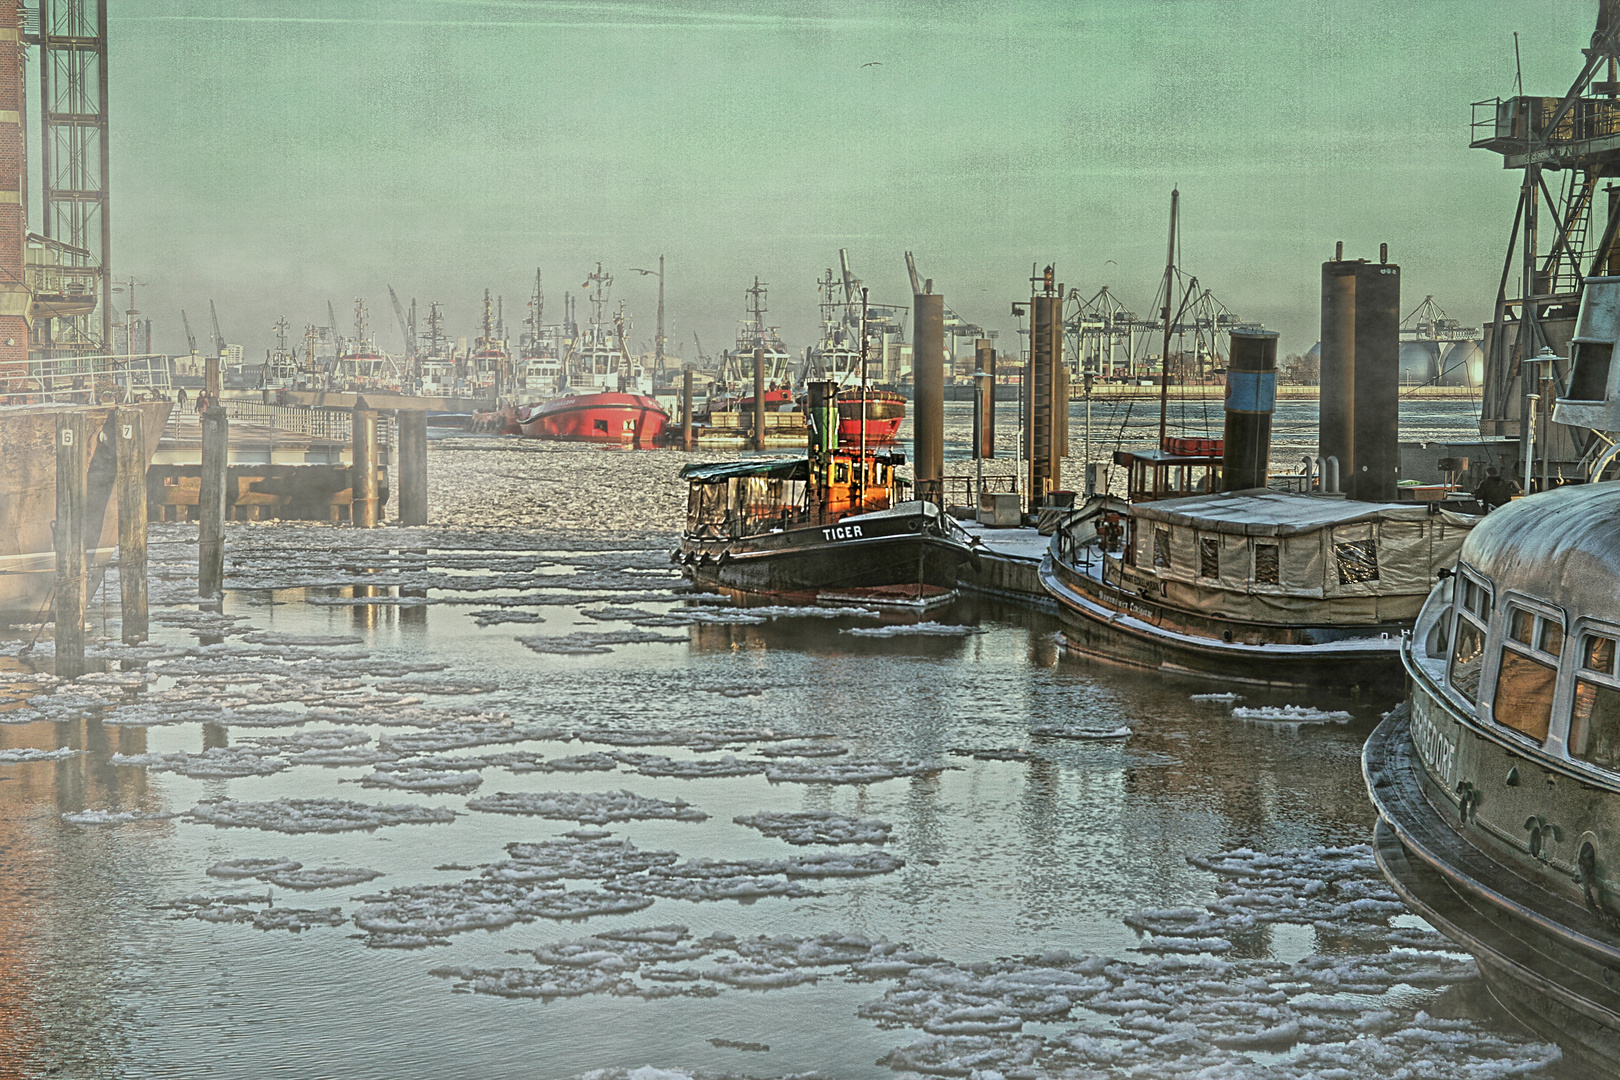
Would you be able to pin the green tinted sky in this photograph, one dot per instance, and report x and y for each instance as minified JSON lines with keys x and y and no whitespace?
{"x":273,"y":156}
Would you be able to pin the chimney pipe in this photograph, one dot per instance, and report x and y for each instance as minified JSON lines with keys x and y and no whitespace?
{"x":1251,"y":398}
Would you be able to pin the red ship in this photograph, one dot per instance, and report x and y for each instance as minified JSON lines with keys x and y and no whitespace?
{"x":884,"y":411}
{"x":604,"y":417}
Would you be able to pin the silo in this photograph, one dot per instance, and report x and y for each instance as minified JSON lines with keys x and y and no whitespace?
{"x":1463,"y":365}
{"x":1420,"y":363}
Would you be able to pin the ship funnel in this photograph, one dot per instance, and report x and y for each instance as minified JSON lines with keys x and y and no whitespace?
{"x":1251,"y":398}
{"x":1593,"y":399}
{"x":821,"y":420}
{"x":1360,"y":410}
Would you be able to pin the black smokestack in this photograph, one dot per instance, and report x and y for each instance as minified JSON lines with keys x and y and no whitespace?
{"x":1251,"y":397}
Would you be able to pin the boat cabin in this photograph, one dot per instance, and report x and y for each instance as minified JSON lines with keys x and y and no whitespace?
{"x":732,"y":499}
{"x":1181,"y":467}
{"x":1276,"y":557}
{"x":1525,"y":637}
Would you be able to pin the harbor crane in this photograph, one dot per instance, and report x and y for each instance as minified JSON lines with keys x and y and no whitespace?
{"x":191,"y":339}
{"x":219,"y":340}
{"x":404,"y":326}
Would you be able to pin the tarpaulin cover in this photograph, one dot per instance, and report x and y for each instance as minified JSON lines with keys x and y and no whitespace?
{"x":768,"y":469}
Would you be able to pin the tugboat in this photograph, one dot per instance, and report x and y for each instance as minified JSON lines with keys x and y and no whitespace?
{"x":826,"y":522}
{"x":607,"y":400}
{"x":1498,"y":790}
{"x":849,"y":330}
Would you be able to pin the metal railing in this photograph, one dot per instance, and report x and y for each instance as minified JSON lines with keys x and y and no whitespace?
{"x":330,"y":424}
{"x":85,"y":380}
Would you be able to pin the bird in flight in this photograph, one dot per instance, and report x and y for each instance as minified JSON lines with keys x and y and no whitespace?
{"x":873,"y":63}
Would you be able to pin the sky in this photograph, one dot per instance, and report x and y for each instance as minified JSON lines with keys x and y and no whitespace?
{"x":274,"y":156}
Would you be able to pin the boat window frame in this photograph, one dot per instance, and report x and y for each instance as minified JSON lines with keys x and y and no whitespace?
{"x":1560,"y":703}
{"x":1463,"y":611}
{"x":1564,"y":707}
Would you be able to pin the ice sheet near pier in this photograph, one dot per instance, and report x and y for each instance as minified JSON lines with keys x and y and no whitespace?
{"x":348,"y":824}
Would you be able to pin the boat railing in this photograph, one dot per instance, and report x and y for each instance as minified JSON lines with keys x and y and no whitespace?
{"x":85,"y":380}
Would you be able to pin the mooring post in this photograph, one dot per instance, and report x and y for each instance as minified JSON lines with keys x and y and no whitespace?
{"x":412,"y":452}
{"x":71,"y":460}
{"x":363,"y":468}
{"x":211,"y":502}
{"x":759,"y":399}
{"x":686,"y":409}
{"x":131,"y":458}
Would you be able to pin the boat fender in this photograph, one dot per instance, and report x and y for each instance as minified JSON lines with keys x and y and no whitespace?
{"x":725,"y":557}
{"x":674,"y":555}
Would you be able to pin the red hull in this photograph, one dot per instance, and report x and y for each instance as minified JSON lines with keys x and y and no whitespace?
{"x":884,"y":411}
{"x":625,"y":419}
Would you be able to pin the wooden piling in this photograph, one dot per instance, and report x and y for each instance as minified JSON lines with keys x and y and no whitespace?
{"x":72,"y":457}
{"x":686,"y":409}
{"x":363,"y":469}
{"x":131,"y":458}
{"x":211,"y":379}
{"x":759,"y":399}
{"x":216,"y":443}
{"x":412,"y":456}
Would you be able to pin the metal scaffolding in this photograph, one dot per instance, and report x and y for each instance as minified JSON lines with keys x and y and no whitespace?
{"x":71,"y":41}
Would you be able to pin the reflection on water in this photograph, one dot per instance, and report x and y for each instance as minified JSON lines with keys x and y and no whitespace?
{"x":1003,"y":858}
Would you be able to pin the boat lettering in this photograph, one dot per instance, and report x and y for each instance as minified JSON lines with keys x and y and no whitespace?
{"x":1437,"y":751}
{"x":842,"y":532}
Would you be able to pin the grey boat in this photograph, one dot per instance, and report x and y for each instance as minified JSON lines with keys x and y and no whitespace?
{"x":1498,"y":791}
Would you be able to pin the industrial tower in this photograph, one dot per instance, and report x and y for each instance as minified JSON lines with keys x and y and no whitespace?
{"x":1568,"y":148}
{"x":71,"y":36}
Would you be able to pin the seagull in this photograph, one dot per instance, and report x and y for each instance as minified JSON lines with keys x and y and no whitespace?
{"x":873,"y":63}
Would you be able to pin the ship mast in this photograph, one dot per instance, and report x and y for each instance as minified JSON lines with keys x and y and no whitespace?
{"x":1169,"y":292}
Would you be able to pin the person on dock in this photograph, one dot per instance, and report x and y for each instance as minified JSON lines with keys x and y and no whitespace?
{"x":182,"y":397}
{"x":1495,"y":491}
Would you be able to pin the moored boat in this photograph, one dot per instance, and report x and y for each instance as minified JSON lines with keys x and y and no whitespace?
{"x":1498,"y":791}
{"x":1207,"y":571}
{"x":605,"y":417}
{"x":825,"y":521}
{"x":885,"y":409}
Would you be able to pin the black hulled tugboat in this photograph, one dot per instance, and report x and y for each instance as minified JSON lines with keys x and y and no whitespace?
{"x":825,"y":523}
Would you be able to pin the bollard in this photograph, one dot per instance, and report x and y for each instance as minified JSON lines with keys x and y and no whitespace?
{"x":413,"y":485}
{"x":211,"y":503}
{"x":363,"y":470}
{"x":131,"y":458}
{"x":686,"y":409}
{"x":71,"y":460}
{"x":759,"y":398}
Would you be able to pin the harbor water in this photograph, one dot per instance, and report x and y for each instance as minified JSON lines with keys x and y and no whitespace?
{"x":556,"y":815}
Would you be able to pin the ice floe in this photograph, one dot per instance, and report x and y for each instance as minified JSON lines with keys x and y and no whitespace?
{"x":217,"y":762}
{"x":590,"y":643}
{"x":921,"y":629}
{"x":427,"y":780}
{"x":805,"y":827}
{"x":691,"y":768}
{"x":848,"y":770}
{"x":1292,"y":714}
{"x":313,"y":815}
{"x":597,"y":808}
{"x":114,"y":817}
{"x":24,"y":754}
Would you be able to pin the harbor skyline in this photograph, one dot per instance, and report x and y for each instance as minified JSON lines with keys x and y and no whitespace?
{"x":445,"y":148}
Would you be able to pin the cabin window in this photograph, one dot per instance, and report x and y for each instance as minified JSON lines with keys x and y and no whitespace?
{"x":1528,"y":672}
{"x":1209,"y":557}
{"x":1476,"y":598}
{"x":1161,"y":549}
{"x":1267,"y":565}
{"x":841,"y":473}
{"x":1594,"y":723}
{"x":1467,"y":658}
{"x":1357,"y":560}
{"x":1597,"y":653}
{"x":1524,"y":693}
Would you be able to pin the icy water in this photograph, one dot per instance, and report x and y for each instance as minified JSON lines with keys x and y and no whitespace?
{"x":498,"y":798}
